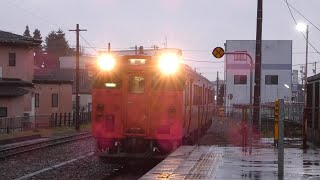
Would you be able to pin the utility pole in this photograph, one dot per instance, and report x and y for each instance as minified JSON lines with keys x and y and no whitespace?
{"x":217,"y":87}
{"x":302,"y":74}
{"x":77,"y":30}
{"x":305,"y":127}
{"x":300,"y":96}
{"x":109,"y":47}
{"x":257,"y":77}
{"x":165,"y":42}
{"x":315,"y":68}
{"x":281,"y":140}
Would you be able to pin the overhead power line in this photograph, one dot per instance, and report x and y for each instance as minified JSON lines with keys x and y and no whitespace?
{"x":302,"y":15}
{"x":191,"y":60}
{"x":295,"y":21}
{"x":87,"y":43}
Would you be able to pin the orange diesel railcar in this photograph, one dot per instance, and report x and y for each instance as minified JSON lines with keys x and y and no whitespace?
{"x":148,"y":105}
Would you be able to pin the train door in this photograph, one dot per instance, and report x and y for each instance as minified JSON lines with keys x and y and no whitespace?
{"x":136,"y":105}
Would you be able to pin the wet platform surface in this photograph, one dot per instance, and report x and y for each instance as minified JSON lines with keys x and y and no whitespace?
{"x":213,"y":162}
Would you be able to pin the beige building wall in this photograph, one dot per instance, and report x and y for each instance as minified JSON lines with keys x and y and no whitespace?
{"x":15,"y":106}
{"x":24,"y":63}
{"x":28,"y":103}
{"x":23,"y":70}
{"x":45,"y":91}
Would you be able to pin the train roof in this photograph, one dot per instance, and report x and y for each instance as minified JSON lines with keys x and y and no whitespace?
{"x":189,"y":68}
{"x":314,"y":78}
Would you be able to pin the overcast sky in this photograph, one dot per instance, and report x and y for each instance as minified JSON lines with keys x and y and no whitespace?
{"x":196,"y":26}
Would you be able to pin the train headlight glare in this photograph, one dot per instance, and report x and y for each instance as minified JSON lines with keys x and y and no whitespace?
{"x":169,"y":63}
{"x":106,"y":62}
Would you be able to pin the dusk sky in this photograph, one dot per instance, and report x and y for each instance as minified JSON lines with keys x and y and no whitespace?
{"x":195,"y":26}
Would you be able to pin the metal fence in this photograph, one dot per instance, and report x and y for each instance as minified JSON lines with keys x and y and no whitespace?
{"x":293,"y":113}
{"x":68,"y":119}
{"x":12,"y":124}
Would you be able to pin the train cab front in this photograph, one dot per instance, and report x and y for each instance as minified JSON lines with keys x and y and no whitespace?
{"x":106,"y":103}
{"x":130,"y":102}
{"x":167,"y":105}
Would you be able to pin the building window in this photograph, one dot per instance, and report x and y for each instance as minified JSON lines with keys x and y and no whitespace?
{"x":240,"y":57}
{"x":12,"y":59}
{"x":240,"y":79}
{"x":3,"y":112}
{"x":271,"y":79}
{"x":36,"y":99}
{"x":54,"y":100}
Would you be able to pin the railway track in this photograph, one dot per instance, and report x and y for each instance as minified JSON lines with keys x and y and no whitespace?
{"x":19,"y":149}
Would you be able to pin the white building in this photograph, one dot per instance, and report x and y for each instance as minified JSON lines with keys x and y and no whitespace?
{"x":276,"y":71}
{"x":67,"y":71}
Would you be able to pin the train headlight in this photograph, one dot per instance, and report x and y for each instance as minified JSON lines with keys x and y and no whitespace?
{"x":169,"y":63}
{"x":106,"y":62}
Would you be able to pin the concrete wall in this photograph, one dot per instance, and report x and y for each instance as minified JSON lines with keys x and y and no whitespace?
{"x":69,"y":62}
{"x":276,"y":60}
{"x":45,"y":91}
{"x":24,"y":63}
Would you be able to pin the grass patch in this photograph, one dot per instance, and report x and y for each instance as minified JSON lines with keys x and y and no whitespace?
{"x":47,"y":132}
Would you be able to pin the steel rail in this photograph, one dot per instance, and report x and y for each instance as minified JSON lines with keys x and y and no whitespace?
{"x":19,"y":149}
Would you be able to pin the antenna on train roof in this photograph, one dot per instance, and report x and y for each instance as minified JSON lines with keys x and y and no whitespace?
{"x":165,"y":42}
{"x":141,"y":50}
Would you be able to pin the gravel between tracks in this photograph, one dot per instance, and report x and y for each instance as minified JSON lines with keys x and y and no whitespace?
{"x":87,"y":168}
{"x":20,"y":165}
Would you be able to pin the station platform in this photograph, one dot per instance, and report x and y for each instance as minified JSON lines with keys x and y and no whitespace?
{"x":213,"y":162}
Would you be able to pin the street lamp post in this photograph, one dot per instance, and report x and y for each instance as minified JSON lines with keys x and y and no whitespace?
{"x":305,"y":28}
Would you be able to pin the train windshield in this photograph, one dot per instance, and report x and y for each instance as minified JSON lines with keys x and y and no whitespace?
{"x":168,"y":84}
{"x":107,"y":82}
{"x":136,"y":84}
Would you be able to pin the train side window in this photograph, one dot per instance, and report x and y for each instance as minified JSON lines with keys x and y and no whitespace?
{"x":205,"y":96}
{"x":201,"y":95}
{"x":136,"y":84}
{"x":187,"y":94}
{"x":198,"y":91}
{"x":197,"y":95}
{"x":194,"y":99}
